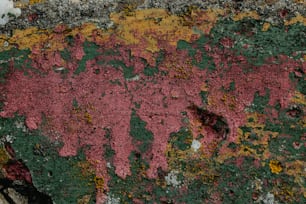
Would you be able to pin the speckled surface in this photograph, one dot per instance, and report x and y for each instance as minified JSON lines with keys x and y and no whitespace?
{"x":154,"y":102}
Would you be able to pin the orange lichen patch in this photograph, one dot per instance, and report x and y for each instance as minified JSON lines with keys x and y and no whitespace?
{"x":24,"y":38}
{"x":88,"y":117}
{"x":203,"y":20}
{"x":84,"y":200}
{"x":285,"y":193}
{"x":20,"y":4}
{"x":24,"y":3}
{"x":99,"y":182}
{"x":275,"y":166}
{"x":86,"y":168}
{"x":149,"y":27}
{"x":35,"y":1}
{"x":85,"y":30}
{"x":226,"y":153}
{"x":99,"y":36}
{"x":296,"y":169}
{"x":265,"y":26}
{"x":180,"y":71}
{"x":261,"y":140}
{"x":83,"y":114}
{"x":242,"y":15}
{"x":48,"y":40}
{"x":298,"y":19}
{"x":159,"y":21}
{"x":4,"y":157}
{"x":258,"y":128}
{"x":198,"y":165}
{"x":247,"y":151}
{"x":131,"y":27}
{"x":298,"y":98}
{"x":300,"y":2}
{"x":229,"y":101}
{"x":28,"y":38}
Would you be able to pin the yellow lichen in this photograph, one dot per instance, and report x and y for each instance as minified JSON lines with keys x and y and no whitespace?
{"x":265,"y":26}
{"x":99,"y":182}
{"x":148,"y":27}
{"x":296,"y":169}
{"x":86,"y":168}
{"x":202,"y":20}
{"x":4,"y":157}
{"x":261,"y":140}
{"x":84,"y":200}
{"x":300,"y":2}
{"x":88,"y":117}
{"x":298,"y":19}
{"x":298,"y":98}
{"x":229,"y":101}
{"x":242,"y":15}
{"x":275,"y":166}
{"x":35,"y":1}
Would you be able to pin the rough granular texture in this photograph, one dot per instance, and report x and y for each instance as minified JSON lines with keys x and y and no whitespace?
{"x":112,"y":116}
{"x":46,"y":14}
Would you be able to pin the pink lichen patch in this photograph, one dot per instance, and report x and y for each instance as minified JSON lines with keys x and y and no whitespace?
{"x":51,"y":59}
{"x":248,"y":80}
{"x":32,"y":123}
{"x":163,"y":112}
{"x":77,"y":51}
{"x":105,"y":99}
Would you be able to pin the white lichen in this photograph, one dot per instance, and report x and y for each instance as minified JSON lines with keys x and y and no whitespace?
{"x":20,"y":125}
{"x":7,"y":139}
{"x":195,"y":145}
{"x":268,"y":199}
{"x":7,"y":10}
{"x":112,"y":200}
{"x":135,"y":78}
{"x":172,"y":179}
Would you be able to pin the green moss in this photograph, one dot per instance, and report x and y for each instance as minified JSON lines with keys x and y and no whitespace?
{"x":139,"y":132}
{"x":133,"y":185}
{"x":291,"y":133}
{"x":233,"y":177}
{"x":233,"y":145}
{"x":260,"y":102}
{"x":128,"y":72}
{"x":197,"y":193}
{"x":91,"y":51}
{"x":301,"y":86}
{"x":261,"y":44}
{"x":184,"y":45}
{"x":230,"y":88}
{"x":198,"y":46}
{"x":65,"y":54}
{"x":19,"y":59}
{"x":150,"y":71}
{"x":75,"y":103}
{"x":181,"y":139}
